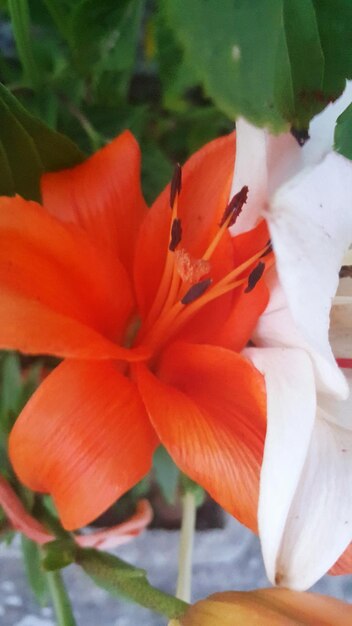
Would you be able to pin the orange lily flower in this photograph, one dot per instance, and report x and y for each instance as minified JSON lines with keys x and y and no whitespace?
{"x":150,"y":310}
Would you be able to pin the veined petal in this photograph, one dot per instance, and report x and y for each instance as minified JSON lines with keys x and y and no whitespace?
{"x":33,"y":328}
{"x":55,"y":267}
{"x":208,"y":408}
{"x":84,"y":437}
{"x":319,"y":524}
{"x":291,"y":410}
{"x":102,"y":195}
{"x":310,"y":221}
{"x":206,"y":182}
{"x":263,"y":161}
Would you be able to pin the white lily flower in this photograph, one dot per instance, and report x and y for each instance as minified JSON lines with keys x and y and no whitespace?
{"x":305,"y":195}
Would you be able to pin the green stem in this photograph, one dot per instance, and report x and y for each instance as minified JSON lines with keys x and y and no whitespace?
{"x":115,"y":575}
{"x":60,"y":599}
{"x":20,"y":19}
{"x":183,"y":590}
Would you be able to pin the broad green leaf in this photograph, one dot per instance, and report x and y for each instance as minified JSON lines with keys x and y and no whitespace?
{"x":166,"y":473}
{"x":22,"y":156}
{"x":56,"y":151}
{"x":343,"y":133}
{"x":335,"y":28}
{"x":266,"y":59}
{"x":33,"y":569}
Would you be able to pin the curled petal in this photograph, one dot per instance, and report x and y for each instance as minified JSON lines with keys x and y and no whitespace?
{"x":20,"y":519}
{"x":108,"y":538}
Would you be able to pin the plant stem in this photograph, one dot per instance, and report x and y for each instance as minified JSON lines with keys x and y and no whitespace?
{"x":183,"y":590}
{"x":114,"y":575}
{"x":20,"y":19}
{"x":60,"y":599}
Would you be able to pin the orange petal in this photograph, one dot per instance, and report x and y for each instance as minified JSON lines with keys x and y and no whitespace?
{"x":102,"y":195}
{"x":206,"y":183}
{"x":208,"y":407}
{"x":245,"y":312}
{"x":52,"y":271}
{"x":83,"y":437}
{"x":109,"y":538}
{"x":20,"y":519}
{"x":30,"y":327}
{"x":344,"y":564}
{"x":268,"y":607}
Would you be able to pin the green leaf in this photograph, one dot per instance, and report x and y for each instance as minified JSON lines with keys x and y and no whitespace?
{"x":28,"y":148}
{"x":22,"y":157}
{"x":35,"y":575}
{"x":56,"y":151}
{"x":166,"y":473}
{"x":272,"y":61}
{"x":58,"y":554}
{"x":343,"y":133}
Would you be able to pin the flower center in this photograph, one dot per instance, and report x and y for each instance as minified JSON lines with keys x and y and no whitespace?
{"x":186,"y":285}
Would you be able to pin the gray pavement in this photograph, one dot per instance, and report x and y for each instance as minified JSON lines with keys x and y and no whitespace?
{"x":223,"y":559}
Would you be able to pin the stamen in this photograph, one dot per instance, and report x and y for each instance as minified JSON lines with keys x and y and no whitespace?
{"x":176,"y":184}
{"x":234,"y":207}
{"x":228,"y":219}
{"x":196,"y":291}
{"x":176,"y":234}
{"x":255,"y":276}
{"x":190,"y":270}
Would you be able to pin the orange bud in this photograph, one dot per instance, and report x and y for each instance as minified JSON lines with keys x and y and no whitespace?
{"x":268,"y":607}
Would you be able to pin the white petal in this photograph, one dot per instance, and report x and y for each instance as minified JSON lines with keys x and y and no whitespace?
{"x":310,"y":221}
{"x":276,"y":328}
{"x":319,"y":525}
{"x":263,"y":162}
{"x":291,"y":409}
{"x":322,"y":127}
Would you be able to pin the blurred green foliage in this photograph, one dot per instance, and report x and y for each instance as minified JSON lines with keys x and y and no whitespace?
{"x":100,"y":67}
